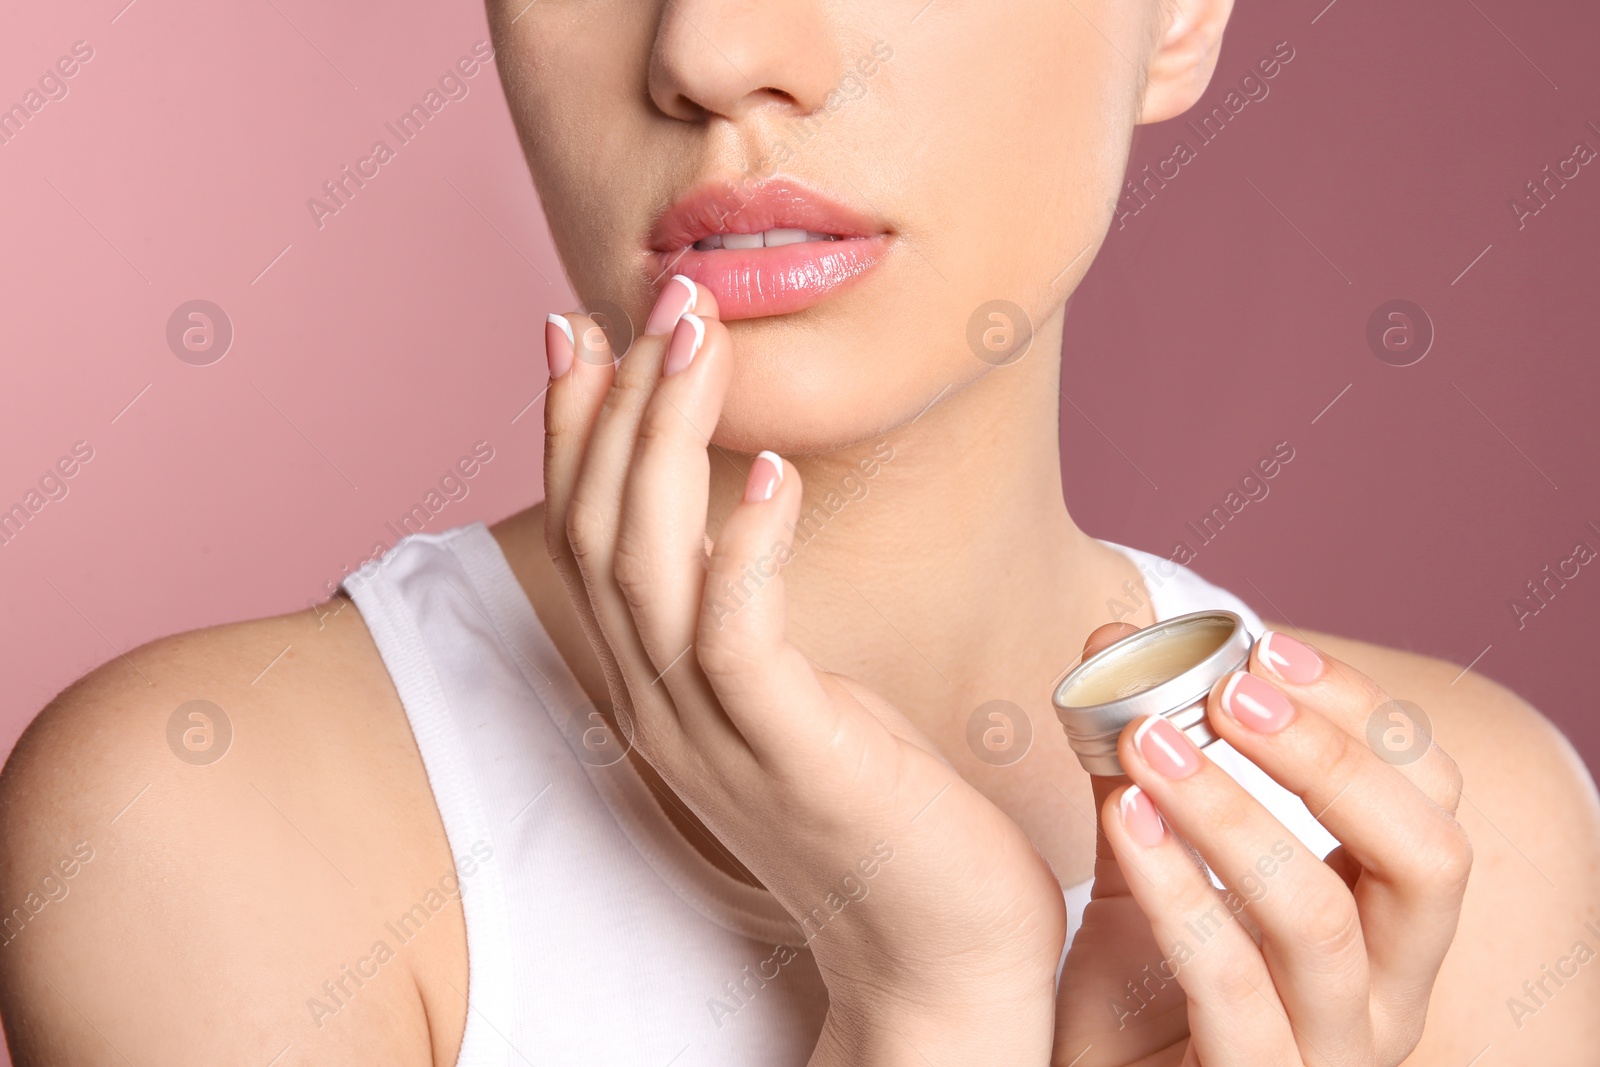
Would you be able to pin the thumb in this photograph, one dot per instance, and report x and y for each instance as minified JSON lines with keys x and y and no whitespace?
{"x":1104,"y":637}
{"x":1109,"y":880}
{"x":1108,"y":877}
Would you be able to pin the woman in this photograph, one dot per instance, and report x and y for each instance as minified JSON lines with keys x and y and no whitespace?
{"x":672,"y":767}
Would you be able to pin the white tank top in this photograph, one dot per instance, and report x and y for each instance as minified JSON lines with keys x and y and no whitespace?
{"x":596,"y":933}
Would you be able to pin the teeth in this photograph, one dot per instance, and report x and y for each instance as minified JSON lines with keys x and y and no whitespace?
{"x":769,"y":239}
{"x":774,"y":238}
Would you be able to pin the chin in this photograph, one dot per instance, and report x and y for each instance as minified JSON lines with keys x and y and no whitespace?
{"x":805,"y":398}
{"x":811,"y":415}
{"x":841,"y":374}
{"x":791,"y":435}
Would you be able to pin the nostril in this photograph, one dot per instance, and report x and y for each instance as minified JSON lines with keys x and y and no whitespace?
{"x":779,"y":95}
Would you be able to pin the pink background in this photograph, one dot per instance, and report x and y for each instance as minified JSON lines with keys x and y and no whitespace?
{"x":1225,"y":316}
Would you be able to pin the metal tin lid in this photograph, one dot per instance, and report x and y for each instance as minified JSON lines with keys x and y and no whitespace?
{"x":1165,"y":669}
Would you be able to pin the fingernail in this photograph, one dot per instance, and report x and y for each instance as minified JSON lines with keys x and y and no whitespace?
{"x":687,"y":338}
{"x":1256,"y":703}
{"x":1140,"y":817}
{"x":1165,"y":749}
{"x":558,"y":344}
{"x":1291,"y":660}
{"x":766,"y":474}
{"x":676,"y":299}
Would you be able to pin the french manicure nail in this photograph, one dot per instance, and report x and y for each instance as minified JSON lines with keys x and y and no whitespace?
{"x":1166,"y":750}
{"x":1140,"y":817}
{"x":676,"y":300}
{"x":766,"y":474}
{"x":558,"y":344}
{"x":1256,"y":703}
{"x":687,"y":338}
{"x":1291,"y":660}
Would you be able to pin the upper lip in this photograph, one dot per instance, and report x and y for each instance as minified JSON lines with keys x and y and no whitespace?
{"x":776,"y":204}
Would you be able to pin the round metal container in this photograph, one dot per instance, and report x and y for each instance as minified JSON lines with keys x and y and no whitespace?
{"x":1166,"y":669}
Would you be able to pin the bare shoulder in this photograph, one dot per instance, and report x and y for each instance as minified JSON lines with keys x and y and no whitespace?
{"x":1519,"y":976}
{"x":203,"y":844}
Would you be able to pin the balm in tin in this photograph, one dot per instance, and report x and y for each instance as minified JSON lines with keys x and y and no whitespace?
{"x":1166,"y":669}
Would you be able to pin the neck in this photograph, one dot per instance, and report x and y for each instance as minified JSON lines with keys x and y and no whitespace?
{"x":938,"y":564}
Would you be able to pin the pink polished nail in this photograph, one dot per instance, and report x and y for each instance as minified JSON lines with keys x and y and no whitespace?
{"x":1289,"y":659}
{"x":766,"y":474}
{"x":677,"y":298}
{"x":1256,"y":703}
{"x":558,"y":345}
{"x":1165,"y":749}
{"x":1140,"y":817}
{"x":687,"y":337}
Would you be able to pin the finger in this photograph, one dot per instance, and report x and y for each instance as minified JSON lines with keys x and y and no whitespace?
{"x":679,"y":295}
{"x":1398,"y":734}
{"x":1109,"y":878}
{"x":581,"y":374}
{"x":1235,"y":1018}
{"x":595,"y":499}
{"x":1311,"y":933}
{"x":1105,"y":636}
{"x":572,"y":401}
{"x":597,"y":491}
{"x":1414,"y":857}
{"x":705,"y":302}
{"x":660,"y":563}
{"x":592,"y":507}
{"x":740,"y":641}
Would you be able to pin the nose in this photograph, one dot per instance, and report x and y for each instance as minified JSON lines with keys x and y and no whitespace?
{"x":726,"y":58}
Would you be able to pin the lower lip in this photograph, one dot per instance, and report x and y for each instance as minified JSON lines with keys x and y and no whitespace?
{"x":754,"y":282}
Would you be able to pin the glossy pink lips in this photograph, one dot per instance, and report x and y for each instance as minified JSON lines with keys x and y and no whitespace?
{"x":768,"y":279}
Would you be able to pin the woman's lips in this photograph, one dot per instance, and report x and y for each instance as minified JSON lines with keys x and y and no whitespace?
{"x":750,"y":283}
{"x":783,"y":247}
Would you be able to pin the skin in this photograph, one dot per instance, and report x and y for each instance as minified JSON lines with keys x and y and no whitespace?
{"x":219,"y":898}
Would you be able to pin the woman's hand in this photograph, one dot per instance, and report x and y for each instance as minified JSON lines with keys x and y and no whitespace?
{"x":812,"y":782}
{"x":1303,"y":961}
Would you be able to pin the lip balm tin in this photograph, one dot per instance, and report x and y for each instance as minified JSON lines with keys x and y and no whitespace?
{"x":1166,"y":669}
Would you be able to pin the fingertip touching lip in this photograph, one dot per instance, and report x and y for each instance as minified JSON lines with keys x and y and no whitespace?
{"x":766,"y":249}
